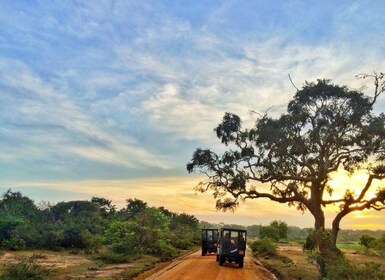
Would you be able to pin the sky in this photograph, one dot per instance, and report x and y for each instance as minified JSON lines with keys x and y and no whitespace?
{"x":111,"y":98}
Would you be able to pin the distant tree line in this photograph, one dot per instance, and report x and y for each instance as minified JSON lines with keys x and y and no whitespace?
{"x":91,"y":225}
{"x":280,"y":230}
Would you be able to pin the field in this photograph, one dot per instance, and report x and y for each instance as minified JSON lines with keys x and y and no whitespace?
{"x":292,"y":263}
{"x":68,"y":265}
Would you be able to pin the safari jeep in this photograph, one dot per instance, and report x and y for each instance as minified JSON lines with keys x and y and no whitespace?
{"x":231,"y":246}
{"x":209,"y":241}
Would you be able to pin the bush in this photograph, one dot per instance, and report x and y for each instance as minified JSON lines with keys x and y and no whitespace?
{"x":342,"y":268}
{"x":269,"y":232}
{"x":14,"y":243}
{"x":165,"y":250}
{"x":367,"y":241}
{"x":264,"y":247}
{"x":379,"y":246}
{"x":24,"y":270}
{"x":92,"y":242}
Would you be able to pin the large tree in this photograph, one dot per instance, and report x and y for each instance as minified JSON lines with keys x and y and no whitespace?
{"x":291,"y":159}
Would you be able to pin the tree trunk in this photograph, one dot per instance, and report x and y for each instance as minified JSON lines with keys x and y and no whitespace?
{"x":335,"y":230}
{"x":336,"y":226}
{"x":324,"y":241}
{"x":319,"y":216}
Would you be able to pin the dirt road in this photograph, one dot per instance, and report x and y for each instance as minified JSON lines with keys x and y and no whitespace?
{"x":195,"y":266}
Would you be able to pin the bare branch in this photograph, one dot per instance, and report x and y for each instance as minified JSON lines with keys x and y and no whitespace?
{"x":291,"y":81}
{"x":379,"y":83}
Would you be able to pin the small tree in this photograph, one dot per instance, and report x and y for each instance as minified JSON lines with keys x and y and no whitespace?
{"x":281,"y":227}
{"x":326,"y":128}
{"x":367,"y":240}
{"x":269,"y":232}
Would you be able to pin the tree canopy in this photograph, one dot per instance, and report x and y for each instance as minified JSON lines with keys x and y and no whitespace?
{"x":89,"y":225}
{"x":326,"y":128}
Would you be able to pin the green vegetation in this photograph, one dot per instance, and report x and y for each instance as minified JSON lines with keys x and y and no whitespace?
{"x":98,"y":236}
{"x":372,"y":245}
{"x":277,"y":230}
{"x":93,"y":227}
{"x":341,"y":268}
{"x":24,"y":270}
{"x":292,"y":262}
{"x":264,"y":247}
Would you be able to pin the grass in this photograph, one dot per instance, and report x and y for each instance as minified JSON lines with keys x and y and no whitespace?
{"x":143,"y":264}
{"x":291,"y":263}
{"x":78,"y":265}
{"x":349,"y":246}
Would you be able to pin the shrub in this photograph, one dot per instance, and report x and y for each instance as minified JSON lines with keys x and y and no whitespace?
{"x":264,"y":247}
{"x":269,"y":232}
{"x":24,"y":270}
{"x":342,"y":268}
{"x":165,"y":250}
{"x":367,"y":241}
{"x":379,"y":245}
{"x":14,"y":243}
{"x":91,"y":241}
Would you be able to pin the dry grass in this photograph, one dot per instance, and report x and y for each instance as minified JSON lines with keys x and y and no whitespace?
{"x":66,"y":265}
{"x":292,"y":263}
{"x":359,"y":258}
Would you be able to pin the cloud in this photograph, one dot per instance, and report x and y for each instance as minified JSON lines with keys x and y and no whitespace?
{"x":255,"y":78}
{"x":57,"y":123}
{"x":129,"y":88}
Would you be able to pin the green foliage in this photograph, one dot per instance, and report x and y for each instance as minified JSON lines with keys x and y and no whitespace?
{"x":277,"y":230}
{"x":326,"y":128}
{"x":367,"y":241}
{"x":378,"y":246}
{"x":123,"y":237}
{"x":164,"y":250}
{"x":24,"y":270}
{"x":183,"y":231}
{"x":269,"y":231}
{"x":282,"y":228}
{"x":264,"y":247}
{"x":136,"y":229}
{"x":104,"y":205}
{"x":341,"y":269}
{"x":92,"y":242}
{"x":13,"y":243}
{"x":133,"y":208}
{"x":373,"y":246}
{"x":15,"y":204}
{"x":7,"y":224}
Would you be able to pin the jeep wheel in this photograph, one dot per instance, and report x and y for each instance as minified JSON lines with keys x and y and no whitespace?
{"x":221,"y":260}
{"x":241,"y":263}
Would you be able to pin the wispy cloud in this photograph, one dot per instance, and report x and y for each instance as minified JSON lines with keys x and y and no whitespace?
{"x":124,"y":89}
{"x":41,"y":107}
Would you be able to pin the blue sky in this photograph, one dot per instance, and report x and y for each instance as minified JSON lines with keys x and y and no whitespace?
{"x":111,"y":98}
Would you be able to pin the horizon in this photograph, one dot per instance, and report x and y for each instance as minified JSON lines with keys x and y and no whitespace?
{"x":111,"y":98}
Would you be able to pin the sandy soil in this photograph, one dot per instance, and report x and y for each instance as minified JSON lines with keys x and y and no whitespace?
{"x":195,"y":266}
{"x":59,"y":262}
{"x":46,"y":260}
